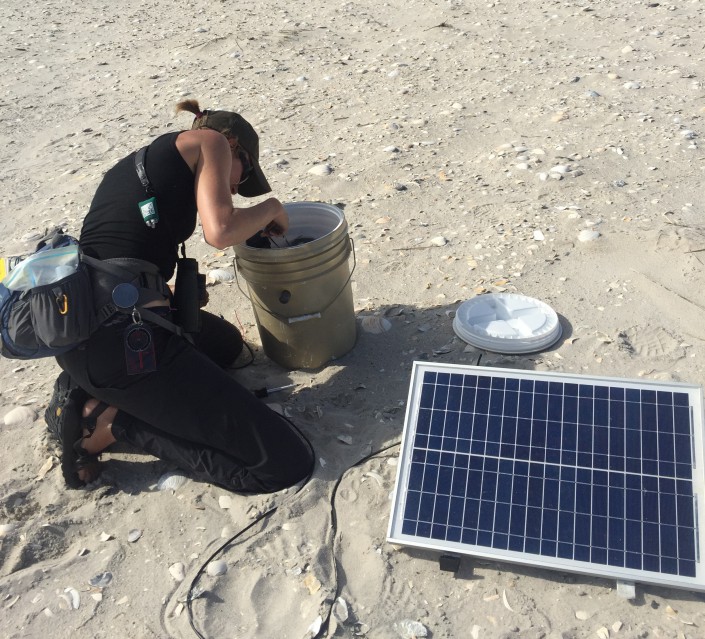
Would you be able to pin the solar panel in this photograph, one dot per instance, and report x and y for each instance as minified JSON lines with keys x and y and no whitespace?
{"x":587,"y":474}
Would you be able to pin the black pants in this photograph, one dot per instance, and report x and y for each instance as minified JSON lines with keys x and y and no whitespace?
{"x":190,"y":411}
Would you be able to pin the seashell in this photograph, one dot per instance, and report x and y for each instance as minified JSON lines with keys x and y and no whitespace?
{"x":408,"y":629}
{"x":312,"y":583}
{"x":439,"y":241}
{"x":543,"y":176}
{"x":631,"y":85}
{"x":171,"y":481}
{"x":603,"y":633}
{"x":177,"y":571}
{"x":391,"y":149}
{"x":340,"y":610}
{"x":97,"y":596}
{"x":588,"y":235}
{"x":225,"y":501}
{"x":46,"y":467}
{"x":178,"y":609}
{"x":221,"y":275}
{"x":539,"y":236}
{"x":376,"y":476}
{"x":522,"y":166}
{"x":20,"y":416}
{"x":102,"y":580}
{"x":560,"y":168}
{"x":134,"y":535}
{"x":375,"y":325}
{"x":315,"y":627}
{"x":106,"y":536}
{"x":506,"y":601}
{"x":583,"y":615}
{"x":196,"y":592}
{"x":321,"y":169}
{"x":71,"y":598}
{"x":217,"y":568}
{"x":6,"y":530}
{"x":445,"y":349}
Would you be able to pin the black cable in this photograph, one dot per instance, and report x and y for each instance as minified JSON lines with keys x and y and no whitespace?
{"x":189,"y":595}
{"x":246,"y":364}
{"x":334,"y":528}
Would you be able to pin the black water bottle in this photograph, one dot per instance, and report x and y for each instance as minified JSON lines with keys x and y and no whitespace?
{"x":187,"y":296}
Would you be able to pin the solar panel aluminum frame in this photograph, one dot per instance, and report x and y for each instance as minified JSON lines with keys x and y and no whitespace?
{"x":401,"y":489}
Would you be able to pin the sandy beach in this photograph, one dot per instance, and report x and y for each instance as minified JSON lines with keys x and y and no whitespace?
{"x":552,"y":149}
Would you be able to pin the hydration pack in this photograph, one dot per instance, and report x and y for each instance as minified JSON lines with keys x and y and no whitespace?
{"x":57,"y":297}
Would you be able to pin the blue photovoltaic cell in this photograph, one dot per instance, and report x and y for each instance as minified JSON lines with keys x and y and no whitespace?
{"x":597,"y":473}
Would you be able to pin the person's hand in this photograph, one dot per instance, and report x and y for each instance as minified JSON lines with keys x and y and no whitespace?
{"x":273,"y":229}
{"x":280,"y":222}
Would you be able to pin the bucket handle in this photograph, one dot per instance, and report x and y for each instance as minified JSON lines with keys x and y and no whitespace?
{"x":301,"y":318}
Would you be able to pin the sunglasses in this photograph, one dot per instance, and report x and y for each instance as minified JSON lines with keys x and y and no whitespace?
{"x":247,"y":167}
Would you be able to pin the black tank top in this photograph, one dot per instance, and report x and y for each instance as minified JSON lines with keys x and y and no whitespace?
{"x":114,"y":226}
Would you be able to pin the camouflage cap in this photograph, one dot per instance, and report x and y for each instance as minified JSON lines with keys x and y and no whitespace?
{"x":233,"y":125}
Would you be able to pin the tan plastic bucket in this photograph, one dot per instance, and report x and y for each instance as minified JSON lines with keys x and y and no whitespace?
{"x":301,"y":294}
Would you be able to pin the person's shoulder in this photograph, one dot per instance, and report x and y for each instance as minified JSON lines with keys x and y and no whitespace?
{"x":200,"y":139}
{"x":195,"y":143}
{"x":202,"y":136}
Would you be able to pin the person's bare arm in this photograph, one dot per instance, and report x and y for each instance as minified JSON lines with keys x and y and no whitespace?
{"x":224,"y":225}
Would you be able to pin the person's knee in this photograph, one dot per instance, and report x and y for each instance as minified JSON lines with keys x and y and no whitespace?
{"x":220,"y":340}
{"x":297,"y":467}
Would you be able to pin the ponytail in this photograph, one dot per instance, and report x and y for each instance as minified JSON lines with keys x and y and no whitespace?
{"x":191,"y":106}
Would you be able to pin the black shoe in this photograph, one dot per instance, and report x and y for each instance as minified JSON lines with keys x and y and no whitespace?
{"x":55,"y":416}
{"x":65,"y":422}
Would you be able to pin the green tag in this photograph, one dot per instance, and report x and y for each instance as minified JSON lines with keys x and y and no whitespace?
{"x":148,"y":209}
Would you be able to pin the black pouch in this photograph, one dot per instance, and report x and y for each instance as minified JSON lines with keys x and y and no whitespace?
{"x":187,"y":295}
{"x":59,"y":315}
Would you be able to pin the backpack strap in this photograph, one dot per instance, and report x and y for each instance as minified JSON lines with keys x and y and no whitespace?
{"x":140,"y":167}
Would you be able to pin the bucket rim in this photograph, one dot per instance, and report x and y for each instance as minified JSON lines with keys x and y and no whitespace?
{"x":331,"y":238}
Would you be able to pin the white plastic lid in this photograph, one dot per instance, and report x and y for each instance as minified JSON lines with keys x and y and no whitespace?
{"x":507,"y":323}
